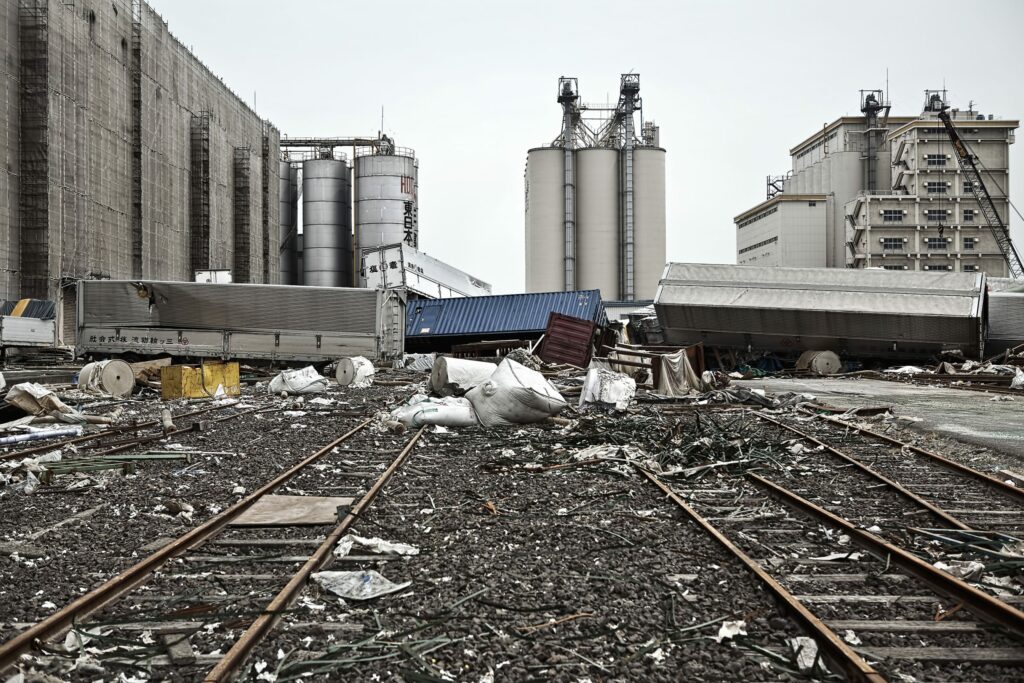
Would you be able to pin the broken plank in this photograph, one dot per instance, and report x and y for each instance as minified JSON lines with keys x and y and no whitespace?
{"x":904,"y":626}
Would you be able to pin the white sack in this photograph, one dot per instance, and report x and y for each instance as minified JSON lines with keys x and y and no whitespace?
{"x":304,"y":381}
{"x":455,"y":376}
{"x":1018,"y":380}
{"x":515,"y":395}
{"x":35,"y":399}
{"x":3,"y":382}
{"x":609,"y":388}
{"x":447,"y":412}
{"x":359,"y":585}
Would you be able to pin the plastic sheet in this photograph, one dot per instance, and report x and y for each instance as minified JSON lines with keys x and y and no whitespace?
{"x":677,"y":377}
{"x":607,"y":388}
{"x":304,"y":381}
{"x":358,"y":585}
{"x":515,"y":395}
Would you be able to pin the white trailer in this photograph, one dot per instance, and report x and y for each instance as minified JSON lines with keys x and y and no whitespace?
{"x":401,"y":266}
{"x":239,"y":321}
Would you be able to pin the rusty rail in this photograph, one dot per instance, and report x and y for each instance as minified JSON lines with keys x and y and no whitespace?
{"x":1001,"y":486}
{"x":839,"y":655}
{"x":264,"y":623}
{"x":976,"y":601}
{"x":878,"y":476}
{"x":117,"y":586}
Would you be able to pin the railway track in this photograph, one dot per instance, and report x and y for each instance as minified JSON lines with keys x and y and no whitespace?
{"x":198,"y":604}
{"x":830,"y":525}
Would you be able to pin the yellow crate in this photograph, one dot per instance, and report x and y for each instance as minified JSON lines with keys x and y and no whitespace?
{"x":199,"y":381}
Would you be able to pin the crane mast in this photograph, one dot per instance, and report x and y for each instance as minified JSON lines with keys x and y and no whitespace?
{"x":970,"y":170}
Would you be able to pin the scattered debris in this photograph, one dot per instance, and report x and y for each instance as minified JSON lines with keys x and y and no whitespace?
{"x":373,"y":545}
{"x":358,"y":585}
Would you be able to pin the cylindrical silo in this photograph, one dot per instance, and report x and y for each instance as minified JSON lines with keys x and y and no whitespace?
{"x":649,"y":219}
{"x":326,"y":223}
{"x":387,"y":205}
{"x":289,"y":217}
{"x":597,"y":221}
{"x":545,"y":220}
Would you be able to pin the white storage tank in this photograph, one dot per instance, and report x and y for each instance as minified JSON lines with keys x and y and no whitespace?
{"x":386,"y":196}
{"x":289,"y":217}
{"x":545,"y":220}
{"x":326,"y":223}
{"x":597,"y":221}
{"x":648,"y":220}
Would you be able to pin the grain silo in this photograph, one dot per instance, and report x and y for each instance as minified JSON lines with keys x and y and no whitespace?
{"x":289,"y":217}
{"x":326,"y":223}
{"x":595,"y":200}
{"x":386,"y":191}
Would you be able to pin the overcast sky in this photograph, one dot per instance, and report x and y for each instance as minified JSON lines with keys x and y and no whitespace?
{"x":471,"y":85}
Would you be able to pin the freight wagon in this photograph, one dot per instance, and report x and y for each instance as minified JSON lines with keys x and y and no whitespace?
{"x":239,"y":321}
{"x":893,"y":315}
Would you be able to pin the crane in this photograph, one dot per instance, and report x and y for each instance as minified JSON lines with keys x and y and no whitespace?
{"x":970,"y":170}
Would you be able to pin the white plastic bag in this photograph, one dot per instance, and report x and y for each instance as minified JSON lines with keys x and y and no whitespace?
{"x":448,"y":412}
{"x":455,"y":376}
{"x":1018,"y":380}
{"x":608,"y":388}
{"x":373,"y":545}
{"x":419,"y":362}
{"x":515,"y":395}
{"x":304,"y":381}
{"x":359,"y":585}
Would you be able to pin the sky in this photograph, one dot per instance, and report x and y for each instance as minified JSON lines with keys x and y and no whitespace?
{"x":471,"y":86}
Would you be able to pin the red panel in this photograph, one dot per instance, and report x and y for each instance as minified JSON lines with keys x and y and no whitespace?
{"x":568,"y":340}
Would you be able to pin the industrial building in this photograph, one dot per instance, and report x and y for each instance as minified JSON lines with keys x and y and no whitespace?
{"x":350,"y":205}
{"x":595,"y":200}
{"x":126,"y":157}
{"x":879,"y":173}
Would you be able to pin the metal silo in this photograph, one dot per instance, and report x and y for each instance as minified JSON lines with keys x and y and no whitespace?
{"x":326,"y":223}
{"x":649,"y":221}
{"x":597,"y":221}
{"x":289,"y":216}
{"x":545,"y":216}
{"x":387,"y":205}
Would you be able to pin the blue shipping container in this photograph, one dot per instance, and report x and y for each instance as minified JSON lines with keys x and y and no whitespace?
{"x":511,"y":315}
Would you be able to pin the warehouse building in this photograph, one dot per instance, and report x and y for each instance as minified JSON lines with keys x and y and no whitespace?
{"x":126,"y":157}
{"x":880,"y":174}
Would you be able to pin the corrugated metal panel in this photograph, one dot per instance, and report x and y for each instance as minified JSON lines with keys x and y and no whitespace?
{"x":118,"y":303}
{"x":509,"y":314}
{"x":27,"y":332}
{"x":1006,"y":316}
{"x":568,"y":340}
{"x":870,"y":312}
{"x":36,"y":308}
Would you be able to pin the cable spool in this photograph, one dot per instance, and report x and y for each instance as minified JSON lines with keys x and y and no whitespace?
{"x":819,"y":362}
{"x":113,"y":377}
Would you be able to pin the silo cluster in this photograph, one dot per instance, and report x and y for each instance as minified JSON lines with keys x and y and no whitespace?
{"x":345,"y":209}
{"x":595,"y":204}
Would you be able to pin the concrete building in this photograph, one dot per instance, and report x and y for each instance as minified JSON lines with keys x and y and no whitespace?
{"x":785,"y":230}
{"x":929,"y":219}
{"x":126,"y":157}
{"x":893,"y":191}
{"x":838,"y":161}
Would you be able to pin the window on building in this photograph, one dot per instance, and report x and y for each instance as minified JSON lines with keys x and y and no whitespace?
{"x":935,"y":159}
{"x":892,"y":243}
{"x":938,"y":267}
{"x":812,"y":203}
{"x":895,"y":267}
{"x":892,"y":215}
{"x":935,"y":215}
{"x":969,"y":215}
{"x":935,"y":187}
{"x":765,"y":243}
{"x":969,"y":268}
{"x":968,"y":187}
{"x":970,"y":243}
{"x":935,"y":243}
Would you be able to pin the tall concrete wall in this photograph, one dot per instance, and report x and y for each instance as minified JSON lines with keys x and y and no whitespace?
{"x":98,"y":121}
